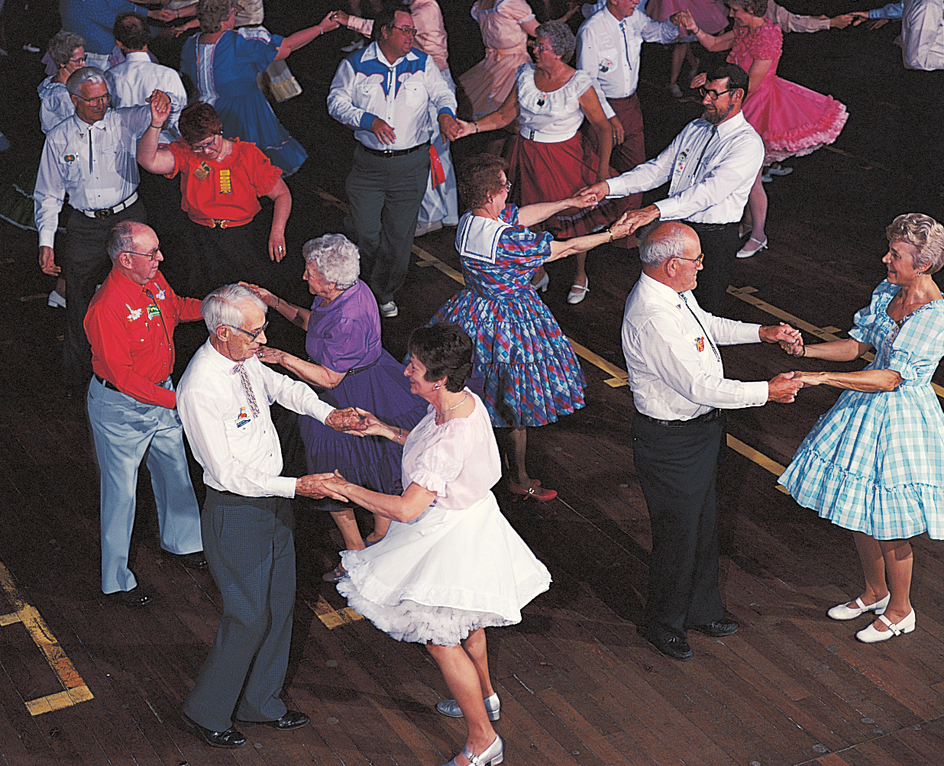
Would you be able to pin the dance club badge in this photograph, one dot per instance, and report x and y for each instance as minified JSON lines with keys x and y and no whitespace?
{"x":242,"y":418}
{"x":700,"y":343}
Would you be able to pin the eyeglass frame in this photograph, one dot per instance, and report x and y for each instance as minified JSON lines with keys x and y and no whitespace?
{"x":714,"y":95}
{"x":152,"y":256}
{"x":411,"y":31}
{"x":97,"y":100}
{"x":254,"y":335}
{"x":699,"y":259}
{"x":202,"y":148}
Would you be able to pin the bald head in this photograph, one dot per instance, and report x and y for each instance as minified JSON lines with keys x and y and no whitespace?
{"x":671,"y":254}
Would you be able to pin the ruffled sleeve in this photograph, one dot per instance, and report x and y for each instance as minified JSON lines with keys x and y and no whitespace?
{"x":578,"y":85}
{"x":869,"y":319}
{"x":257,"y":45}
{"x":766,"y":44}
{"x":920,"y":344}
{"x":526,"y":247}
{"x":517,"y":10}
{"x":441,"y":461}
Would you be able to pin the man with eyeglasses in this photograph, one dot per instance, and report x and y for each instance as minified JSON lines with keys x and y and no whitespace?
{"x":384,"y":92}
{"x":132,"y":407}
{"x":89,"y":157}
{"x":711,"y":166}
{"x":680,"y":393}
{"x":224,"y":398}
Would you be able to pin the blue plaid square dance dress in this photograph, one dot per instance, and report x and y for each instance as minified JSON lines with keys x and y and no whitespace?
{"x":531,"y":375}
{"x":875,"y":462}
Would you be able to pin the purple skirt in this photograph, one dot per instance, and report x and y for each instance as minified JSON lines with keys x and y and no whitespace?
{"x":372,"y":461}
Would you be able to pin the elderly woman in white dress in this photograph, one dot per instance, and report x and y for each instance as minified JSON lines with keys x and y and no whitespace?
{"x":450,"y":565}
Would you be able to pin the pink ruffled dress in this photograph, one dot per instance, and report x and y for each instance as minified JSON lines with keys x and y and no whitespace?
{"x":791,"y":119}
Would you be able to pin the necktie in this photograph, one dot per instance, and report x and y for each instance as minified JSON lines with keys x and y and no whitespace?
{"x":707,"y":336}
{"x":90,"y":150}
{"x":240,"y":370}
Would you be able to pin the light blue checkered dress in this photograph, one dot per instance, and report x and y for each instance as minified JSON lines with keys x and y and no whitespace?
{"x":875,"y":462}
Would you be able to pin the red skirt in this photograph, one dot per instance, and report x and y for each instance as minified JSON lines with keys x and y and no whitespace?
{"x":549,"y":172}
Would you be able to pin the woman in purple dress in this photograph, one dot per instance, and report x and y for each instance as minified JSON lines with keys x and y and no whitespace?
{"x":347,"y":360}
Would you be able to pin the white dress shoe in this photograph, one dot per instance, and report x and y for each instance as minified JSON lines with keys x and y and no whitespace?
{"x":846,"y":612}
{"x":389,"y":310}
{"x":578,"y":292}
{"x":747,"y":251}
{"x":542,"y":283}
{"x":871,"y":635}
{"x":491,"y":756}
{"x":56,"y":300}
{"x":452,"y":709}
{"x":425,"y":227}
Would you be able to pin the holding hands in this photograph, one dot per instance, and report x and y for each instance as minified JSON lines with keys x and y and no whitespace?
{"x":317,"y":486}
{"x":685,"y":20}
{"x":160,"y":107}
{"x":346,"y":421}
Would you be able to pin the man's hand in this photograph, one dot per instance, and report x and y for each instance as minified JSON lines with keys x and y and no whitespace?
{"x":47,"y":261}
{"x":315,"y":486}
{"x":698,"y":80}
{"x":449,"y":127}
{"x":597,"y":192}
{"x":840,"y":22}
{"x":783,"y":388}
{"x":618,"y":133}
{"x":345,"y":420}
{"x":638,"y":218}
{"x":160,"y":107}
{"x":383,"y":131}
{"x":780,"y":333}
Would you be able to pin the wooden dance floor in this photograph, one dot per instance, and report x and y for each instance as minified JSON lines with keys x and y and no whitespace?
{"x":86,"y":682}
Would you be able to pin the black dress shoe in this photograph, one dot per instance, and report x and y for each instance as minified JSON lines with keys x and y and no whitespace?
{"x":717,"y":628}
{"x":137,"y":596}
{"x":292,"y":719}
{"x":229,"y":739}
{"x":190,"y":560}
{"x":675,"y":647}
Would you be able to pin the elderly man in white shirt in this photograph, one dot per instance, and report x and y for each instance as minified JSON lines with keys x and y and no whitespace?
{"x":610,"y":45}
{"x":384,"y":92}
{"x":679,"y":390}
{"x":223,"y":400}
{"x":89,"y":157}
{"x":711,"y":165}
{"x":133,"y":81}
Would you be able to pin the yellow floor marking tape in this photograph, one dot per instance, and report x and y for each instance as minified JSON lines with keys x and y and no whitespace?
{"x":75,"y":689}
{"x":332,"y":617}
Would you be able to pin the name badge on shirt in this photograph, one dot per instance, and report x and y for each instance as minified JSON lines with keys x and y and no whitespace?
{"x":153,"y":311}
{"x":700,"y":344}
{"x":242,"y":419}
{"x":606,"y":65}
{"x":202,"y":171}
{"x":680,"y":166}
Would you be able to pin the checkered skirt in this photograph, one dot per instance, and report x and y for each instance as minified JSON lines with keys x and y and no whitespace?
{"x":875,"y":462}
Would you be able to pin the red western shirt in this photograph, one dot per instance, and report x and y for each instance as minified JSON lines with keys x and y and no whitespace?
{"x":131,"y":329}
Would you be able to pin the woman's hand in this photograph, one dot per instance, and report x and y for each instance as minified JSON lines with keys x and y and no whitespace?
{"x":597,"y":193}
{"x":622,"y":228}
{"x":808,"y":378}
{"x":793,"y":348}
{"x":160,"y":107}
{"x":346,"y":420}
{"x":685,"y":20}
{"x":330,"y":22}
{"x":374,"y":427}
{"x":464,"y":129}
{"x":270,"y":355}
{"x":337,"y":485}
{"x":262,"y":294}
{"x":341,"y":17}
{"x":698,"y":80}
{"x":276,"y":246}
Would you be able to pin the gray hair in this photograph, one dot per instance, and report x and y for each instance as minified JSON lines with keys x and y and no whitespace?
{"x":222,"y":306}
{"x":61,"y":46}
{"x":121,"y":239}
{"x":212,"y":13}
{"x":925,"y":234}
{"x":337,"y":259}
{"x":669,"y":243}
{"x":558,"y":34}
{"x":81,"y":76}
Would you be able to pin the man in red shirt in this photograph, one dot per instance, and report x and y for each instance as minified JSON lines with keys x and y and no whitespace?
{"x":132,"y":406}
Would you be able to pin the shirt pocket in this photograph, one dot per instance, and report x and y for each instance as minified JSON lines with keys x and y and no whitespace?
{"x":414,"y":94}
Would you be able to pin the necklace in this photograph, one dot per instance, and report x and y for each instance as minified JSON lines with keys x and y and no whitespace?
{"x":455,"y":405}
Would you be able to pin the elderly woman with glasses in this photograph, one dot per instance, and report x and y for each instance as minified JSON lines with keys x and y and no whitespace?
{"x":551,"y":159}
{"x":792,"y":120}
{"x":531,"y":375}
{"x":221,"y":180}
{"x":345,"y":358}
{"x":874,"y":464}
{"x":223,"y":65}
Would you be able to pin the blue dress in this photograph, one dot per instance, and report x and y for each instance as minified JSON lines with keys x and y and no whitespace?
{"x":531,"y":375}
{"x":225,"y":76}
{"x":875,"y":462}
{"x":344,"y":336}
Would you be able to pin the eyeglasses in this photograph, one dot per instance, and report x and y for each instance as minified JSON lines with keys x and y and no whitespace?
{"x":506,"y":186}
{"x":152,"y":256}
{"x":78,"y":60}
{"x":714,"y":95}
{"x":699,"y":259}
{"x":98,"y":100}
{"x":207,"y":144}
{"x":252,"y":335}
{"x":408,"y":31}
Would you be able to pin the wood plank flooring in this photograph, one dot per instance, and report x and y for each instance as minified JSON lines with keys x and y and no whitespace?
{"x":577,"y":682}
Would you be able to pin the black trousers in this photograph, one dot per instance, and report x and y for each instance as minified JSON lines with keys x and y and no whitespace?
{"x":677,"y":467}
{"x":720,"y":243}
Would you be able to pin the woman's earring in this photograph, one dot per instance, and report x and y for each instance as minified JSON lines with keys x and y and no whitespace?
{"x":437,"y":386}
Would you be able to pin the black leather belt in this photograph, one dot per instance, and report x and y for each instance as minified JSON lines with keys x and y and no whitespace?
{"x":394,"y":152}
{"x":708,"y":417}
{"x":355,"y":370}
{"x":106,"y":383}
{"x":696,"y":225}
